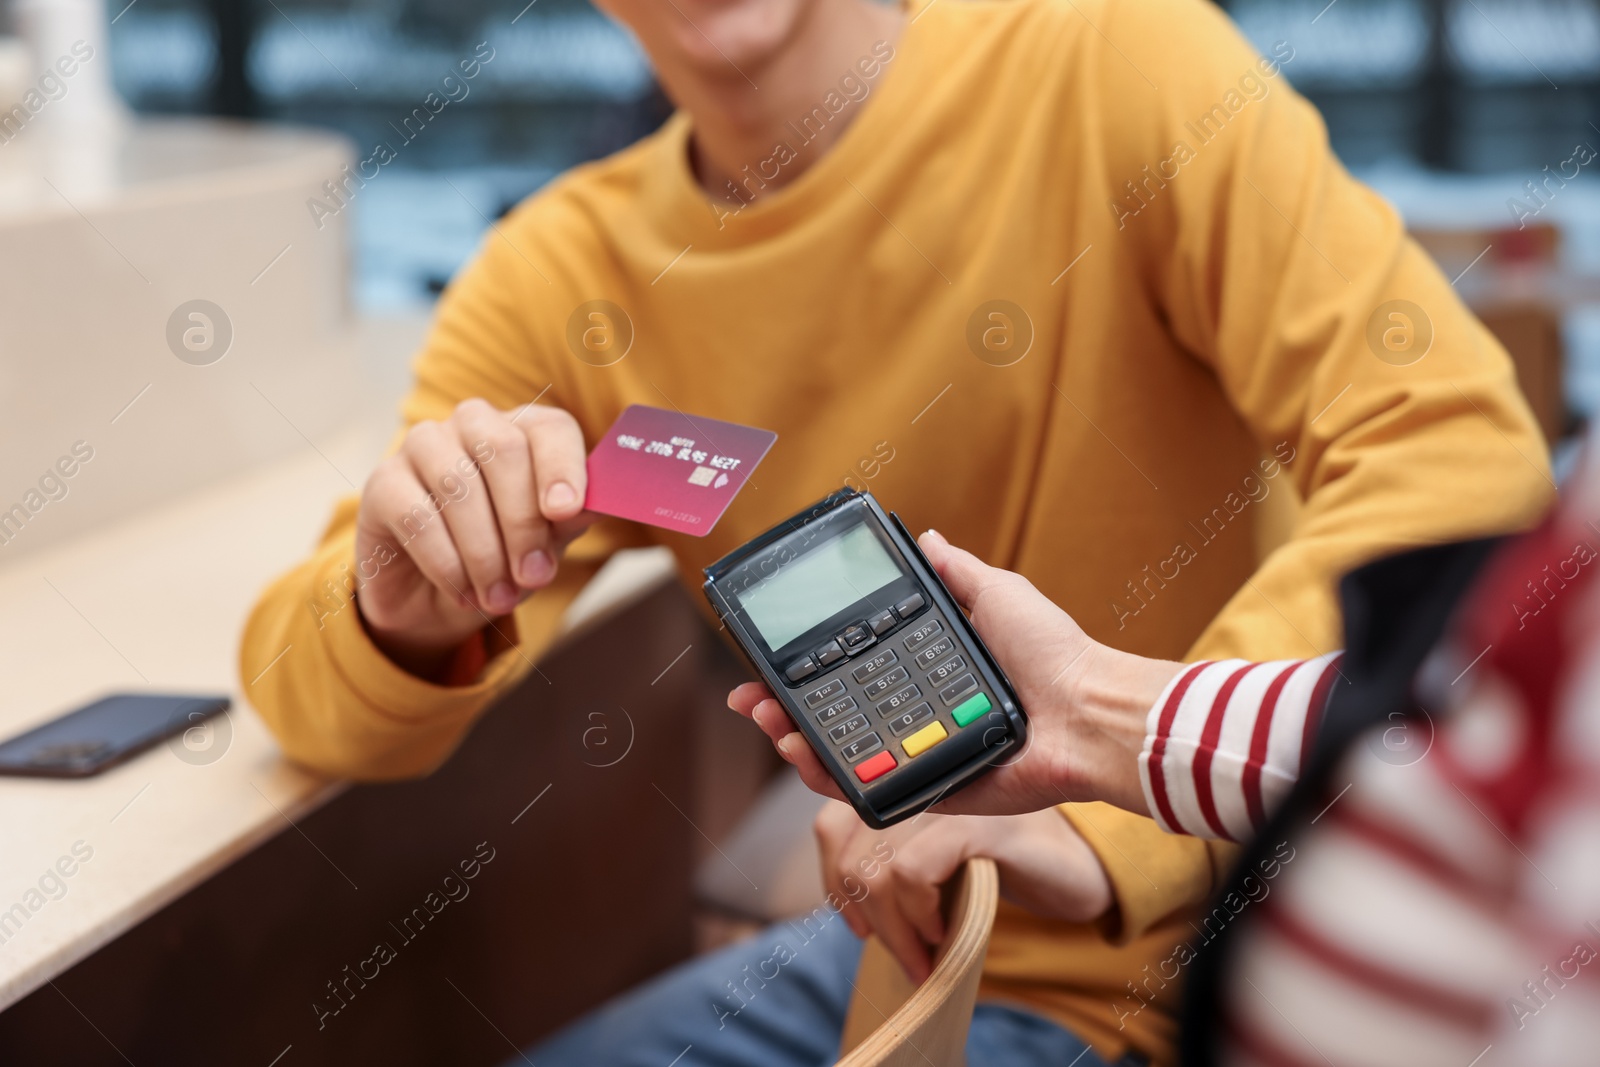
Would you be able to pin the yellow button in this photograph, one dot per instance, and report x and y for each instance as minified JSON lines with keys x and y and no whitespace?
{"x":924,"y":739}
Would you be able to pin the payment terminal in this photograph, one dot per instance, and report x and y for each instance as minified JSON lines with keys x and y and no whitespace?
{"x":855,"y":634}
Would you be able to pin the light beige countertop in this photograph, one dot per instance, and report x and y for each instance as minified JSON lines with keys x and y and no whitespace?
{"x":156,"y":603}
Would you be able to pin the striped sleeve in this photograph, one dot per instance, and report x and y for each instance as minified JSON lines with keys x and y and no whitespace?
{"x":1226,"y":739}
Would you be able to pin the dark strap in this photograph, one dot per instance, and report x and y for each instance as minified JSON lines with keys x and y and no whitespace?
{"x":1395,"y":612}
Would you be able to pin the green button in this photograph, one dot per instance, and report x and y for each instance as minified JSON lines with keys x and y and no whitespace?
{"x":971,"y":710}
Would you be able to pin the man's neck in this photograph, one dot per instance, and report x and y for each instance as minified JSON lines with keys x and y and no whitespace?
{"x":741,"y":113}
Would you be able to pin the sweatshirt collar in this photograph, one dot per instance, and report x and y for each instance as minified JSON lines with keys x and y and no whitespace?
{"x":687,"y":213}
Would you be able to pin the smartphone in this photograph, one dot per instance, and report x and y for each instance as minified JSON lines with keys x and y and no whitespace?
{"x":861,"y":643}
{"x":114,"y":728}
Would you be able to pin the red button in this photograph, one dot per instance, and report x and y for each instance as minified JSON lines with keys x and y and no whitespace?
{"x":876,"y":767}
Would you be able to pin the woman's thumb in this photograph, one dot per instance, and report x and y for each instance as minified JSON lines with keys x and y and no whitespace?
{"x":963,"y":573}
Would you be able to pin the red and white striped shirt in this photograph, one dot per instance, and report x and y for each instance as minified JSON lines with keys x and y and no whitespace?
{"x":1226,"y":740}
{"x":1443,"y":908}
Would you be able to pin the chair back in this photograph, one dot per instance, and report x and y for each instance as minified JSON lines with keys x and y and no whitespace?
{"x":892,"y":1023}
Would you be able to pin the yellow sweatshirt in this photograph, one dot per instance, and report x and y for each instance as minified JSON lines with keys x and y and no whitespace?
{"x":1190,"y":283}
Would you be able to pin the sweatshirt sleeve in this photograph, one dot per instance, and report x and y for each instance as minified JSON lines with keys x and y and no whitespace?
{"x":1281,"y":275}
{"x":334,"y":701}
{"x":1153,"y":874}
{"x":1340,"y":345}
{"x":1227,"y":740}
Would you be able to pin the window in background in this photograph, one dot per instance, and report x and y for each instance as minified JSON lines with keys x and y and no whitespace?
{"x":1449,"y":107}
{"x":564,"y":85}
{"x":1461,"y":85}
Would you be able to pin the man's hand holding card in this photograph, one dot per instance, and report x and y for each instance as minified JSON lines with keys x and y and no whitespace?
{"x":470,"y":515}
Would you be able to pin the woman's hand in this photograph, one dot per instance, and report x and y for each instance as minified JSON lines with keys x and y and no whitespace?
{"x":1044,"y":866}
{"x":1086,"y":702}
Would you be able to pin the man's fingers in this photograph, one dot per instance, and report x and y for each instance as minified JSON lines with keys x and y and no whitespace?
{"x":401,"y":504}
{"x":835,"y":825}
{"x":923,"y":910}
{"x":921,"y":868}
{"x":559,"y":460}
{"x":843,"y":840}
{"x":897,"y":934}
{"x":446,"y":471}
{"x":503,"y":456}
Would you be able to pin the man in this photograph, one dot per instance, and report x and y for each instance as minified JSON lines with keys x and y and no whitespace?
{"x":1056,"y":275}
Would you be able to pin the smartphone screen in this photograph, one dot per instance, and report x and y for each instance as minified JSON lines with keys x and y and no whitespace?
{"x":87,"y":741}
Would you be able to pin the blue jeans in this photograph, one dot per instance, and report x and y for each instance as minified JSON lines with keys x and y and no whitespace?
{"x":777,"y":999}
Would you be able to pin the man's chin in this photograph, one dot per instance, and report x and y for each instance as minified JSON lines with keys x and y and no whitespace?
{"x":714,"y":35}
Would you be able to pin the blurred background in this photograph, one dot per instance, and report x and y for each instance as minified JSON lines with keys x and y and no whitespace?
{"x":1448,"y":107}
{"x":565,"y":85}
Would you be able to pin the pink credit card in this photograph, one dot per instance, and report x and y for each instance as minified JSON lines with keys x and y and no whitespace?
{"x":676,"y":471}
